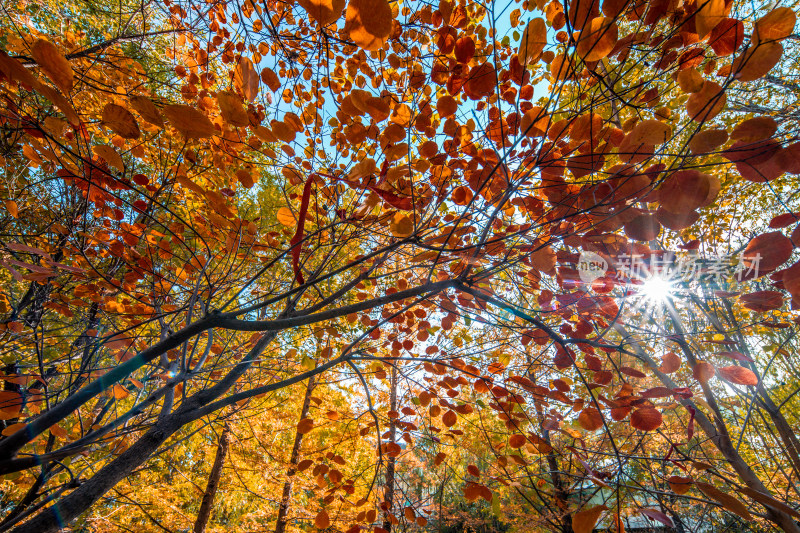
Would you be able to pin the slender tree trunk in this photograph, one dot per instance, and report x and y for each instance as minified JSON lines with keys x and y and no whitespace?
{"x":390,"y":464}
{"x":213,"y":482}
{"x":283,"y":509}
{"x":561,"y":494}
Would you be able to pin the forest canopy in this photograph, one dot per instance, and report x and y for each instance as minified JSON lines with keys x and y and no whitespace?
{"x":399,"y":265}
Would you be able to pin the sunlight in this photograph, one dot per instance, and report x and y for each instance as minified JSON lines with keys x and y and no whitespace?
{"x":656,"y":289}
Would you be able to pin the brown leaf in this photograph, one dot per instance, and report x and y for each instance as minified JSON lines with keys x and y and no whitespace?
{"x":305,"y":425}
{"x":54,"y":64}
{"x":192,"y":123}
{"x":680,"y":485}
{"x":322,"y":520}
{"x":147,"y":109}
{"x":121,"y":121}
{"x":726,"y":500}
{"x":590,"y":419}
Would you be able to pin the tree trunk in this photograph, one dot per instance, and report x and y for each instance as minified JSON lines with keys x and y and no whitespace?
{"x":213,"y":482}
{"x":390,"y":464}
{"x":283,"y":509}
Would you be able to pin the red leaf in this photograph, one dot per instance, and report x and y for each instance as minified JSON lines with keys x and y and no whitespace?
{"x":646,"y":418}
{"x":737,"y":356}
{"x":762,"y":301}
{"x":784,"y":220}
{"x":657,"y":515}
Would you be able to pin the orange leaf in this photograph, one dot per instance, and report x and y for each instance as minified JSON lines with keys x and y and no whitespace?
{"x":54,"y":64}
{"x":711,"y":13}
{"x":147,"y":109}
{"x":11,"y":207}
{"x":775,"y":25}
{"x":598,"y":39}
{"x":119,"y":392}
{"x":739,"y":375}
{"x":756,"y":61}
{"x":670,"y":363}
{"x":707,"y":141}
{"x":533,"y":42}
{"x":369,"y":23}
{"x":245,"y":78}
{"x":230,"y":105}
{"x":323,"y":11}
{"x":767,"y":251}
{"x":706,"y":103}
{"x":584,"y":521}
{"x":516,"y":440}
{"x":450,"y":418}
{"x":305,"y":425}
{"x":13,"y":428}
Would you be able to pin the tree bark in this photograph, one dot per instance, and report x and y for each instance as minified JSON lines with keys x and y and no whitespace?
{"x":390,"y":463}
{"x":213,"y":482}
{"x":283,"y":509}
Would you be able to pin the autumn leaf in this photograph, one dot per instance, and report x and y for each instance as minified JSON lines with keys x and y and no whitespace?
{"x":54,"y":64}
{"x":738,"y":375}
{"x":728,"y":502}
{"x":585,"y":520}
{"x":368,"y":23}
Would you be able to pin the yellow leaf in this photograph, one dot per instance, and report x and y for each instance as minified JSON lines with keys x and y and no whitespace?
{"x":286,"y":217}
